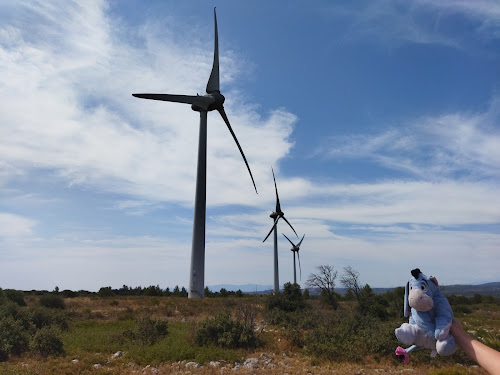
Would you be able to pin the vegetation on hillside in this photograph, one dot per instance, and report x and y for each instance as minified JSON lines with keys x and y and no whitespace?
{"x":153,"y":327}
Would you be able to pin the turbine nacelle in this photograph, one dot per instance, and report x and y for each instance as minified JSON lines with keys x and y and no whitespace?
{"x":209,"y":102}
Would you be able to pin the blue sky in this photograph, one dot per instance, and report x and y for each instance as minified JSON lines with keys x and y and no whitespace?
{"x":381,"y":121}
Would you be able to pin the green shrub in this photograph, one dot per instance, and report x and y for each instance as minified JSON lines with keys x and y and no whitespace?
{"x":16,"y":296}
{"x":106,"y":291}
{"x":52,"y":301}
{"x":224,"y":332}
{"x":291,"y":299}
{"x":44,"y":317}
{"x":350,"y":339}
{"x":149,"y":331}
{"x":47,"y":342}
{"x":463,"y":309}
{"x":14,"y":337}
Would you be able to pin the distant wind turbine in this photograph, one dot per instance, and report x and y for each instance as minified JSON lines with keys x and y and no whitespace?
{"x":212,"y":100}
{"x":295,"y":249}
{"x":276,"y":215}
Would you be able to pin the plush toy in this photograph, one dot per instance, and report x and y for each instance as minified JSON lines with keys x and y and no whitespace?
{"x":430,"y":318}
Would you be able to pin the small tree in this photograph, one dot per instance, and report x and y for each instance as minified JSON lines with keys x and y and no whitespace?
{"x":52,"y":301}
{"x":325,"y":281}
{"x":47,"y":342}
{"x":16,"y":296}
{"x":105,"y":291}
{"x":350,"y":280}
{"x":368,"y":302}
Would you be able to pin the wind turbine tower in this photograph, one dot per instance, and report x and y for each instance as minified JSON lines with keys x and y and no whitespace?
{"x":212,"y":100}
{"x":295,"y":249}
{"x":276,"y":215}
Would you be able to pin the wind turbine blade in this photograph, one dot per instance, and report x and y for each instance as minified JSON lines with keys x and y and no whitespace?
{"x":223,"y":114}
{"x":284,"y":218}
{"x":288,"y":239}
{"x":278,"y":207}
{"x":300,"y":269}
{"x":298,"y":245}
{"x":213,"y":81}
{"x":275,"y":222}
{"x":201,"y":101}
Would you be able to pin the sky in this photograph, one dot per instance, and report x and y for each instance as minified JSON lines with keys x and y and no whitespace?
{"x":381,"y":121}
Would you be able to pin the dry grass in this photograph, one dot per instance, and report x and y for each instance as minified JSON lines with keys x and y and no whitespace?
{"x":277,"y":355}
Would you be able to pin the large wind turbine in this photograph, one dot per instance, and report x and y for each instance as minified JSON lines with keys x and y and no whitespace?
{"x":212,"y":100}
{"x":295,"y":249}
{"x":276,"y":215}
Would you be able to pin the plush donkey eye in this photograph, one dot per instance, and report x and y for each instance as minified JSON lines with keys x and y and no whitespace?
{"x":423,"y":287}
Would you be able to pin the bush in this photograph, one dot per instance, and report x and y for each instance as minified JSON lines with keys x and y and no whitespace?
{"x":44,"y":317}
{"x":291,"y":299}
{"x":52,"y":301}
{"x":14,"y":338}
{"x":351,"y":339}
{"x":16,"y":296}
{"x":47,"y":342}
{"x":106,"y":291}
{"x":224,"y":332}
{"x":148,"y":331}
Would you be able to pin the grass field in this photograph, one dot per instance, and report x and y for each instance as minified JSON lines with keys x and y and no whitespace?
{"x":98,"y":328}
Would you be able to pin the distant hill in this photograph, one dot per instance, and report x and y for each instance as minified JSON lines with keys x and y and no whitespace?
{"x":246,"y":288}
{"x":489,"y":289}
{"x":492,"y":289}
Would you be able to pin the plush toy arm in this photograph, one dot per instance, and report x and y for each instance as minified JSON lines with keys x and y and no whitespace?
{"x":444,"y":316}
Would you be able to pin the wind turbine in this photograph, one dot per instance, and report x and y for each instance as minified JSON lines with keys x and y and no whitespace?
{"x":276,"y":215}
{"x":295,"y":249}
{"x":212,"y":100}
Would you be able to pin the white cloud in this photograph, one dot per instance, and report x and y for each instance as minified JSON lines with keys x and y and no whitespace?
{"x":464,"y":145}
{"x":396,"y":22}
{"x":12,"y":225}
{"x":63,"y":118}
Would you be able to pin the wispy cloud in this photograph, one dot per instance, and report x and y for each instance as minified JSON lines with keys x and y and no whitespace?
{"x":396,"y":22}
{"x":461,"y":145}
{"x":99,"y":136}
{"x":12,"y":225}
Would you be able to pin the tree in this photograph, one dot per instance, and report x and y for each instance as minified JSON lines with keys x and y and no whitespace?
{"x":325,"y":281}
{"x":176,"y":292}
{"x":368,"y":302}
{"x":350,"y":280}
{"x":105,"y":291}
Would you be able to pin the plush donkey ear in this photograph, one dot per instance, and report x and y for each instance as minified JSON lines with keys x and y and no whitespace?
{"x":416,"y":272}
{"x":434,"y":280}
{"x":407,"y":304}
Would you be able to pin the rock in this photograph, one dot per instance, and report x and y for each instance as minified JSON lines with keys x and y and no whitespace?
{"x":97,"y":366}
{"x":237,"y":366}
{"x":192,"y":365}
{"x":214,"y":364}
{"x":184,"y":320}
{"x":251,"y":363}
{"x":75,"y":361}
{"x":118,"y":354}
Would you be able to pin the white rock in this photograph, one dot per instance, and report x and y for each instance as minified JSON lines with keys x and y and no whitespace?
{"x":118,"y":354}
{"x":193,"y":365}
{"x":75,"y":360}
{"x":251,"y":363}
{"x":236,"y":367}
{"x":97,"y":366}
